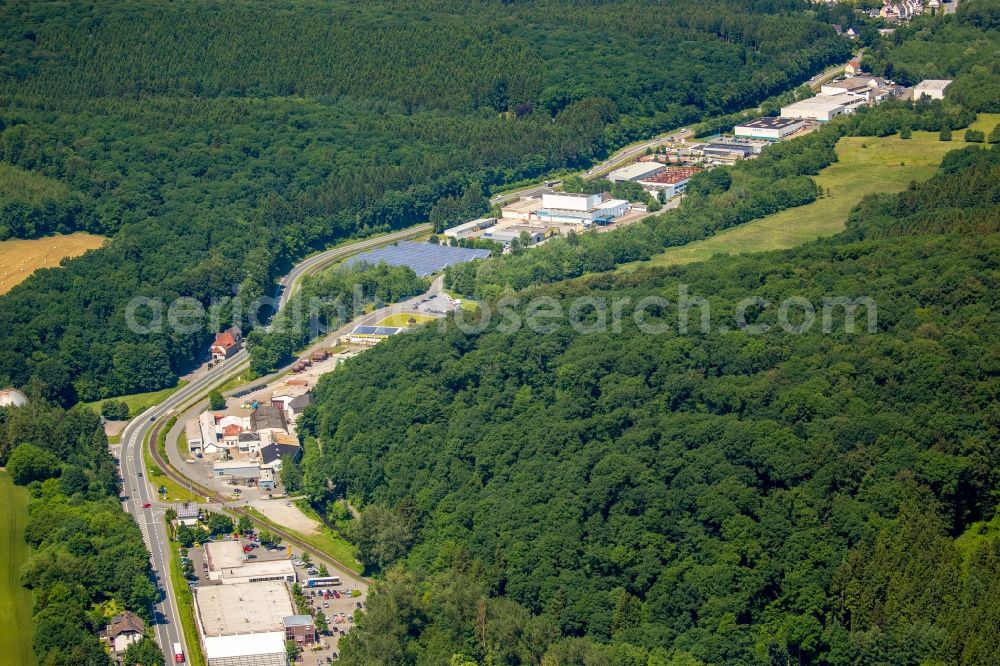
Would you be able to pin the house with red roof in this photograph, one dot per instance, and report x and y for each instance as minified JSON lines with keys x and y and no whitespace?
{"x":226,"y":343}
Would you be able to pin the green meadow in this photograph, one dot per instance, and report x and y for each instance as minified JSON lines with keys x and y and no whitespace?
{"x":866,"y":165}
{"x":15,"y":601}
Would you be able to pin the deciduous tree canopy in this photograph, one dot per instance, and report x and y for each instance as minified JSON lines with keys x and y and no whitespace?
{"x":219,"y":142}
{"x":718,"y":497}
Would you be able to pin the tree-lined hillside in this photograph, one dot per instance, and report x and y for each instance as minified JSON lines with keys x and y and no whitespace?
{"x":219,"y":141}
{"x":713,"y":497}
{"x":88,"y":559}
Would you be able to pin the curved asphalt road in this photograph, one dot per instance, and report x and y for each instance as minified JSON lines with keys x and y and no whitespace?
{"x":166,"y":622}
{"x":150,"y":520}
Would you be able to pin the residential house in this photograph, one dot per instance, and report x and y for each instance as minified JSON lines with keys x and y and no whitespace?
{"x":125,"y":629}
{"x":231,"y":435}
{"x":226,"y":343}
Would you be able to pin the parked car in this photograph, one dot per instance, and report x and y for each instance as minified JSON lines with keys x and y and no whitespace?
{"x":326,"y":604}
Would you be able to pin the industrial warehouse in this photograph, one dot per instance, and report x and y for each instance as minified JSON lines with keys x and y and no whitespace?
{"x":243,"y":624}
{"x":536,"y":219}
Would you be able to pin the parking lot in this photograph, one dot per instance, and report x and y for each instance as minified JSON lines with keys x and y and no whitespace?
{"x":340,"y":603}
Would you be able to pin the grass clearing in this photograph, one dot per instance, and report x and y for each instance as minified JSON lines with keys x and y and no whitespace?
{"x":236,"y":381}
{"x":403,"y":319}
{"x":175,"y":492}
{"x":867,"y":165}
{"x":325,"y":541}
{"x":185,"y":608}
{"x":138,"y":402}
{"x":975,"y":535}
{"x":15,"y":601}
{"x":182,"y":445}
{"x":20,"y":258}
{"x":466,"y":304}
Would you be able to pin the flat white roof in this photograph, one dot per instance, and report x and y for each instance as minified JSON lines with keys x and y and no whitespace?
{"x":635,"y":170}
{"x":192,"y":429}
{"x":235,"y":464}
{"x":471,"y":225}
{"x":821,"y":103}
{"x":224,"y":554}
{"x":246,"y":645}
{"x":523,"y":205}
{"x":611,"y":203}
{"x":253,"y":568}
{"x":243,"y":608}
{"x":932,"y":84}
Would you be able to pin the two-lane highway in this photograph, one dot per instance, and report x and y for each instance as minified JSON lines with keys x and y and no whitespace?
{"x":135,"y":485}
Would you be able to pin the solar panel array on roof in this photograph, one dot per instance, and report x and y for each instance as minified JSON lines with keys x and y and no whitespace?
{"x":376,"y":330}
{"x":423,"y":258}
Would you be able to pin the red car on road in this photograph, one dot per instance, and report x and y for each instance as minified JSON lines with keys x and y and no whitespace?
{"x":147,"y":505}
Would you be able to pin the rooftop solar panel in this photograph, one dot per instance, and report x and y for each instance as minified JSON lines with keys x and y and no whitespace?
{"x":424,"y":258}
{"x":376,"y":330}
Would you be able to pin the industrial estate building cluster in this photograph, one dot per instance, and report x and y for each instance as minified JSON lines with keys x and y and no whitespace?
{"x":666,"y":174}
{"x":248,"y":450}
{"x":845,"y":96}
{"x":532,"y":220}
{"x":246,"y":615}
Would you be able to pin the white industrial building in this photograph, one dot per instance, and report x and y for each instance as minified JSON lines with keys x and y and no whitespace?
{"x":772,"y":129}
{"x":933,"y":88}
{"x":584,"y":209}
{"x":571,"y":201}
{"x":823,"y":108}
{"x":264,"y":649}
{"x":857,"y":85}
{"x":201,"y":434}
{"x":469,"y":229}
{"x":636,"y":171}
{"x":524,"y":209}
{"x":237,"y":470}
{"x":243,"y":625}
{"x":507,"y":234}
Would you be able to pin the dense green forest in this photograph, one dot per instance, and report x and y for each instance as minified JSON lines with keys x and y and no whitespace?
{"x":716,"y":497}
{"x":33,"y":205}
{"x":219,"y":141}
{"x":88,"y":556}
